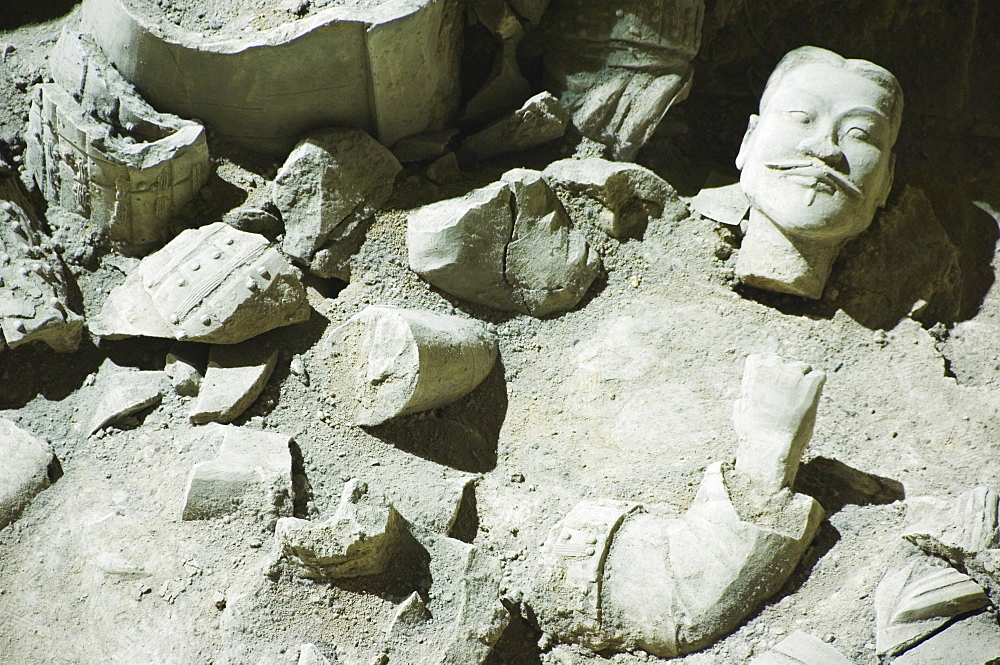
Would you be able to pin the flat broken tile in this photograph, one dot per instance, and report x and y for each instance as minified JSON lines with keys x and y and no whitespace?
{"x":120,"y":393}
{"x":801,"y":649}
{"x":24,"y":464}
{"x":210,"y":284}
{"x":253,"y":471}
{"x":721,"y":200}
{"x":235,"y":378}
{"x":974,"y":640}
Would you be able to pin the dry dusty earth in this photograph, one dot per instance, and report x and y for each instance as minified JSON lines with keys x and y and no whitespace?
{"x":629,"y":396}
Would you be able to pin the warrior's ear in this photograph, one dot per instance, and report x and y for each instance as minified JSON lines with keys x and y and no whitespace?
{"x":741,"y":158}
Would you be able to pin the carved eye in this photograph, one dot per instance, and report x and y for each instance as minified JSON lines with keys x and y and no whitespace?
{"x":801,"y":117}
{"x":859,"y":133}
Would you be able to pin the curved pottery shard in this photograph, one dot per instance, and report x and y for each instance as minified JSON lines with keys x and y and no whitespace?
{"x":401,"y":361}
{"x":914,"y":602}
{"x":389,"y":67}
{"x":211,"y":284}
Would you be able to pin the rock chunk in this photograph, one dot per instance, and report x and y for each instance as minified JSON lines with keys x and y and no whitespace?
{"x":623,"y":196}
{"x":359,"y":540}
{"x":97,"y":149}
{"x":618,"y":67}
{"x":801,"y":649}
{"x":33,"y":287}
{"x":235,"y":378}
{"x":508,"y":245}
{"x":913,"y":602}
{"x":423,"y":147}
{"x":330,"y":185}
{"x":263,"y":220}
{"x":435,"y":504}
{"x":211,"y":284}
{"x":252,"y":472}
{"x":539,"y":120}
{"x":120,"y":393}
{"x":465,"y":614}
{"x":399,"y":361}
{"x":24,"y":463}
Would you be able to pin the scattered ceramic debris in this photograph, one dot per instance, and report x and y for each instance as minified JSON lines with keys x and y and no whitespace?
{"x":915,"y":601}
{"x":33,"y":288}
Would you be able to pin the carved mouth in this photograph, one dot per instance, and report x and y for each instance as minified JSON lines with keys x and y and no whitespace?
{"x":817,"y":177}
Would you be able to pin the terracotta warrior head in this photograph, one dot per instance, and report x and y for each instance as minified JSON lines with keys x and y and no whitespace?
{"x":815,"y":164}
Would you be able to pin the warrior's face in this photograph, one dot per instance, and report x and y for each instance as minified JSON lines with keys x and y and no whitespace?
{"x":817,"y":161}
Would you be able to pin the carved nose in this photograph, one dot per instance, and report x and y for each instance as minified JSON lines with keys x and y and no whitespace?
{"x":822,"y":147}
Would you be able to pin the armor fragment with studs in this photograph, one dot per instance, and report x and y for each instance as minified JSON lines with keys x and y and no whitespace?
{"x":574,"y":557}
{"x":32,"y":286}
{"x":211,"y":273}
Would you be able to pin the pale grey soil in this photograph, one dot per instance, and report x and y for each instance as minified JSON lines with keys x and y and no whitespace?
{"x":628,"y":396}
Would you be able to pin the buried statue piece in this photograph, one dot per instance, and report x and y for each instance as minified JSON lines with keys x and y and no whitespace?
{"x":621,"y":576}
{"x":815,"y":165}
